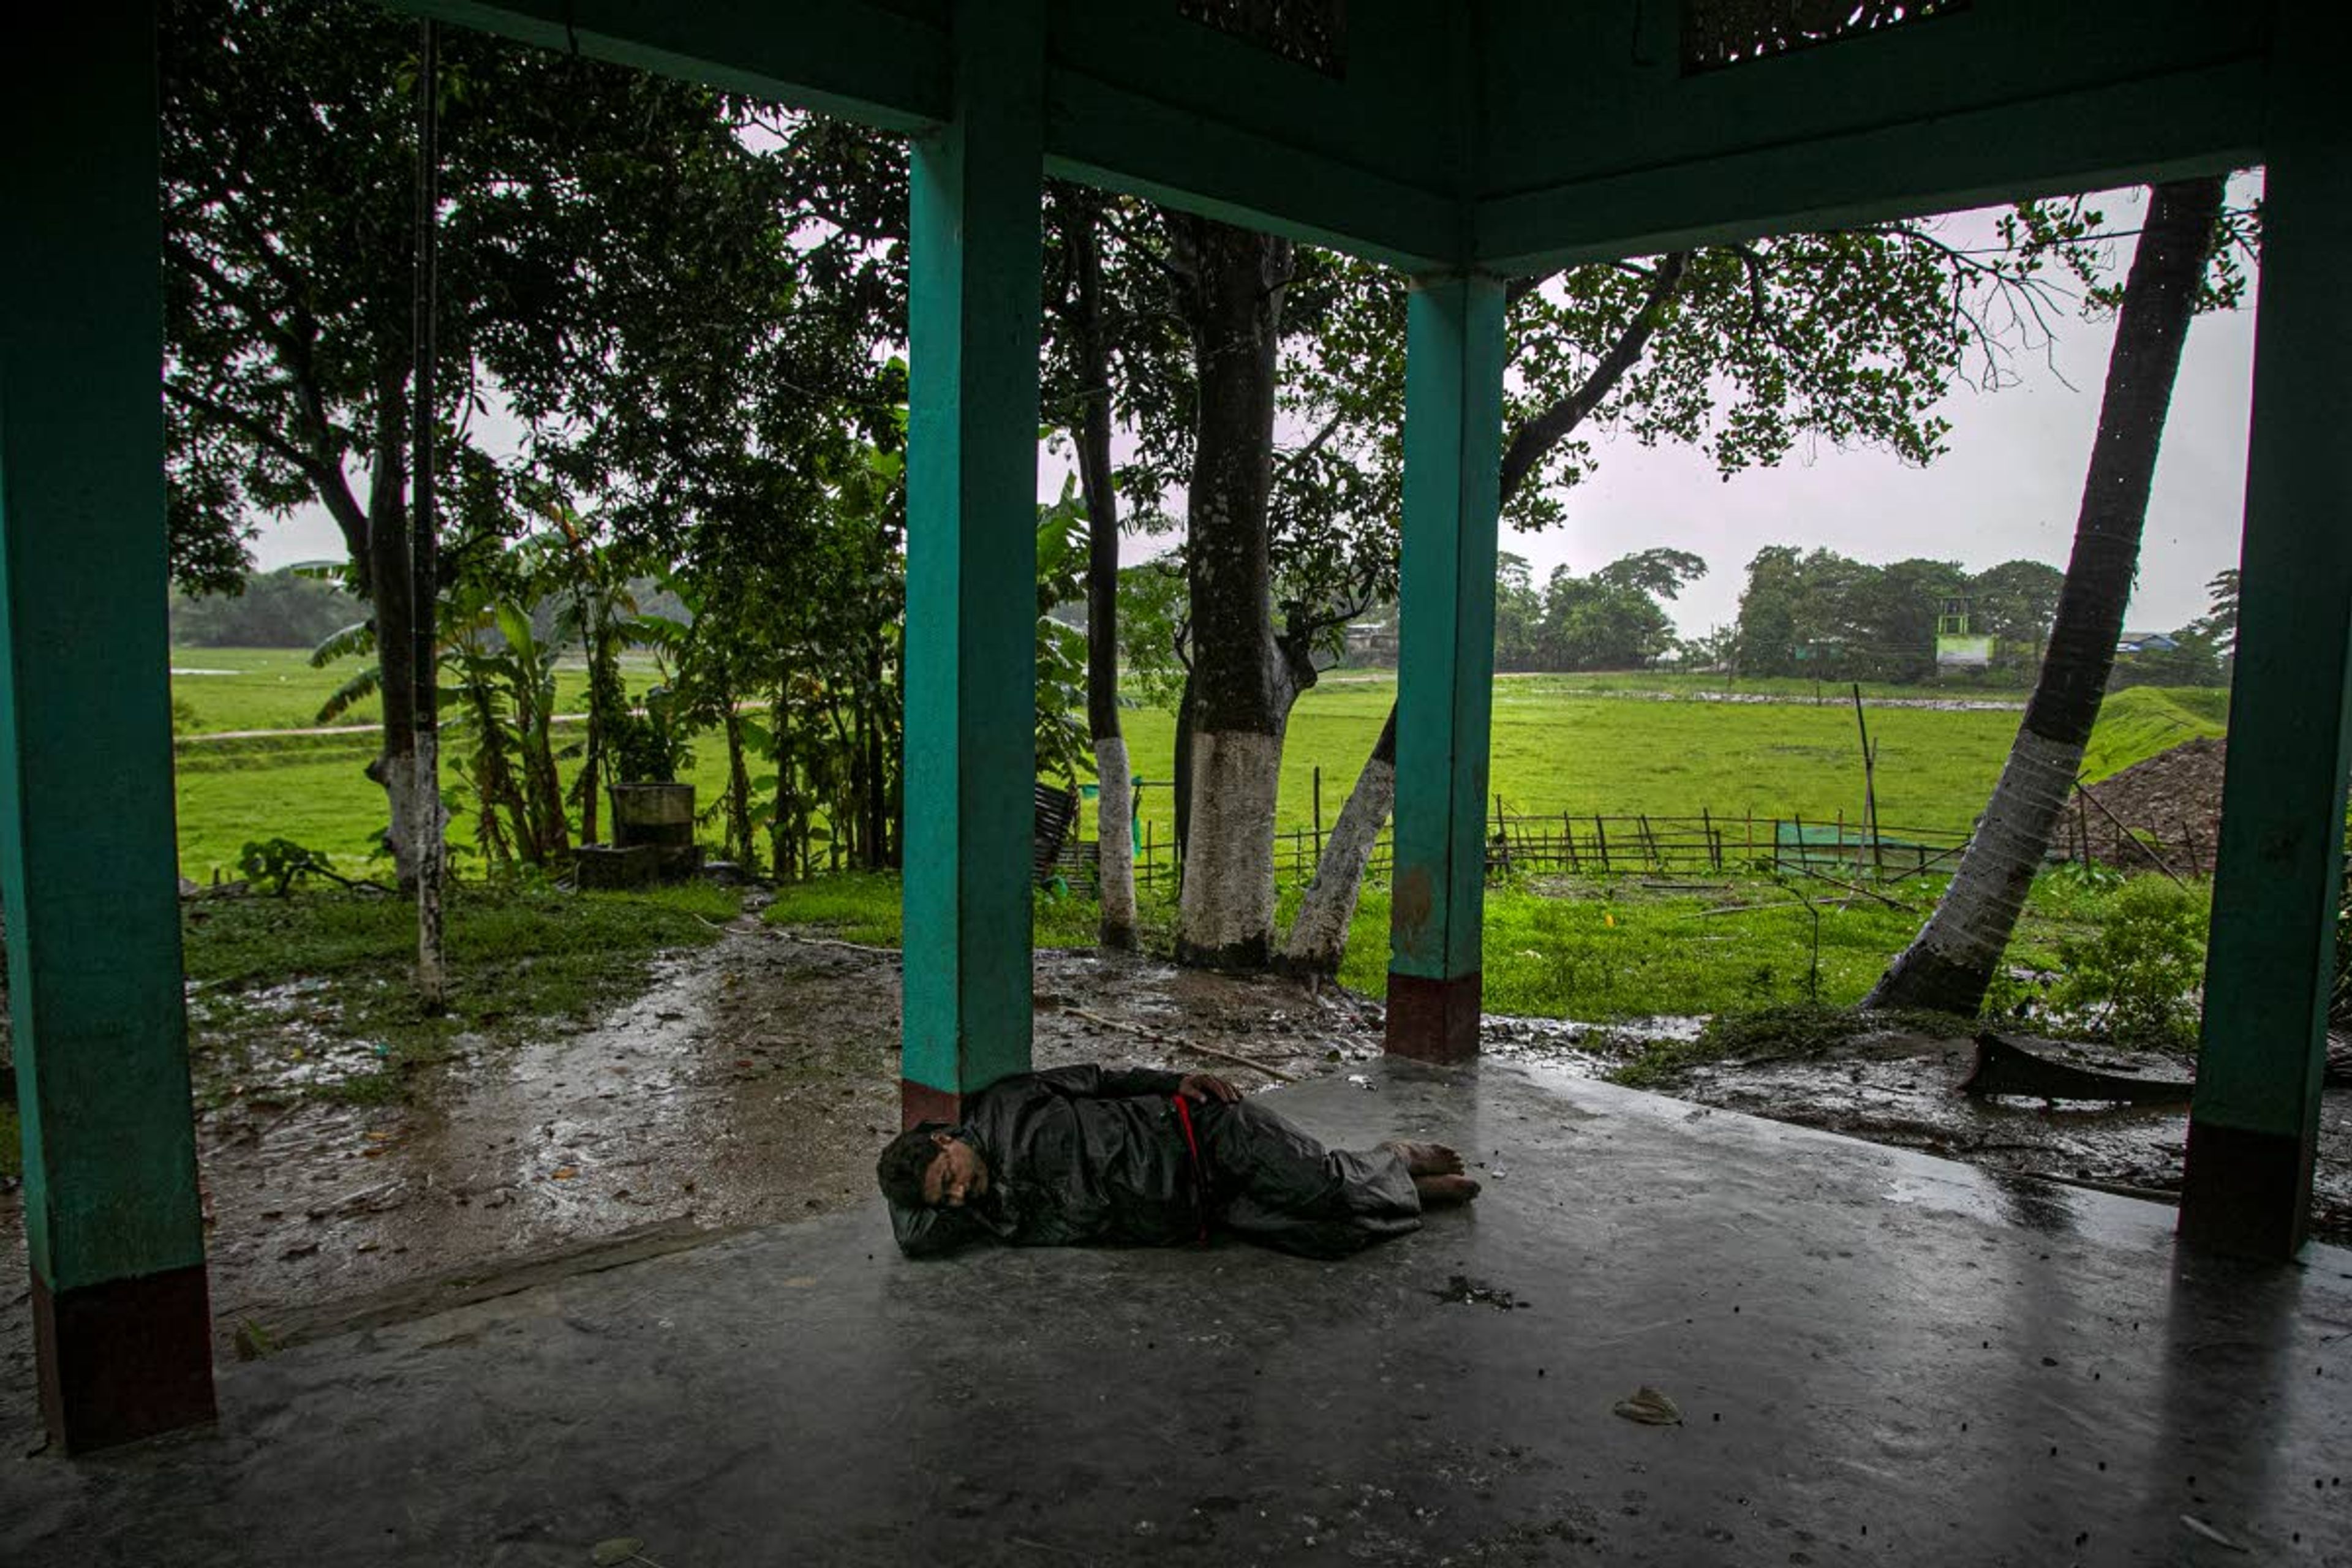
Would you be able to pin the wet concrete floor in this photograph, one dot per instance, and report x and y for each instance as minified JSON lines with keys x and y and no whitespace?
{"x":1877,"y":1355}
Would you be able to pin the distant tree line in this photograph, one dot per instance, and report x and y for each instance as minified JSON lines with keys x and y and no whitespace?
{"x":273,"y":609}
{"x":1822,"y":613}
{"x":1610,"y":620}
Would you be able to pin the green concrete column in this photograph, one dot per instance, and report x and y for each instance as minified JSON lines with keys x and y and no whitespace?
{"x":1452,"y":449}
{"x":2254,"y":1126}
{"x":88,"y":861}
{"x":971,"y":555}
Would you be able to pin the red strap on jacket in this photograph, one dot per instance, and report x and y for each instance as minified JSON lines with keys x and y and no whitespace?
{"x":1200,"y":1177}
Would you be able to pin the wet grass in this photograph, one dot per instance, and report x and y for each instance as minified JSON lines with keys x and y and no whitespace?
{"x":863,"y":907}
{"x":520,"y":960}
{"x":2138,"y":722}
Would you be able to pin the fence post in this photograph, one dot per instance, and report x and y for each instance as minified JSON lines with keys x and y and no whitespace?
{"x":1319,"y":816}
{"x":1714,"y":850}
{"x":1567,"y":832}
{"x":1600,"y":834}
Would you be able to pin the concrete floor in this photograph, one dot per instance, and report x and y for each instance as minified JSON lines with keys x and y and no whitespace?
{"x":1879,"y":1356}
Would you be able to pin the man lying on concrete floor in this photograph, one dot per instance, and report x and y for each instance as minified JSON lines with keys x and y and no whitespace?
{"x":1089,"y":1153}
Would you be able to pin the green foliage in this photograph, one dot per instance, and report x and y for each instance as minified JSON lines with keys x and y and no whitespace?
{"x":1823,"y":615}
{"x":1064,"y":749}
{"x":2134,"y":979}
{"x":12,"y":1147}
{"x":275,"y":864}
{"x":650,"y":747}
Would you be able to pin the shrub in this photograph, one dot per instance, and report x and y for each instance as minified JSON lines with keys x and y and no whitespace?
{"x":2136,"y":979}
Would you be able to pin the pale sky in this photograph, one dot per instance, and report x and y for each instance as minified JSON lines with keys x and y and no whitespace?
{"x":2008,"y":487}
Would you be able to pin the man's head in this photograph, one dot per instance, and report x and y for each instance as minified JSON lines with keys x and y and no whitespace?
{"x":930,"y":1167}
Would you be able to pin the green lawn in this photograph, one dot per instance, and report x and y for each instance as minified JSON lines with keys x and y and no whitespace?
{"x":218,"y":688}
{"x":1592,"y":950}
{"x":1557,"y":747}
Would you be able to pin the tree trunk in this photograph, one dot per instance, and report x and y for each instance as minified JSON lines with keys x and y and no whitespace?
{"x":1318,"y":937}
{"x":389,"y":581}
{"x":739,"y":847}
{"x":1949,"y":964}
{"x":1242,"y":688}
{"x":1115,"y":862}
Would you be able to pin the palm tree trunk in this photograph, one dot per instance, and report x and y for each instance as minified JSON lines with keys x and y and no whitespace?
{"x":1949,"y":964}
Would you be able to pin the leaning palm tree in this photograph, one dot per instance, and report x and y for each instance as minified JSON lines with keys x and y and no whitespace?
{"x":1950,"y":962}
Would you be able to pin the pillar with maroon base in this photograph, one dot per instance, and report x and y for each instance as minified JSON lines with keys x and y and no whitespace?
{"x":971,"y":595}
{"x":1453,"y":446}
{"x":88,"y":861}
{"x":2271,"y":959}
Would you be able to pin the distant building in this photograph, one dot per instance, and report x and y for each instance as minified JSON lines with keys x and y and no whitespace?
{"x":2146,"y":642}
{"x":1959,"y":644}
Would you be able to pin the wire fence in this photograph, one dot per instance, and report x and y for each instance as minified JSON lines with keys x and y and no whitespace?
{"x":1610,"y":845}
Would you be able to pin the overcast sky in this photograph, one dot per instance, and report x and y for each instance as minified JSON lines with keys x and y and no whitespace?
{"x":2008,"y":487}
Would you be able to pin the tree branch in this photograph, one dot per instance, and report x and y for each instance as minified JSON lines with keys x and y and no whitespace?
{"x":1540,"y":434}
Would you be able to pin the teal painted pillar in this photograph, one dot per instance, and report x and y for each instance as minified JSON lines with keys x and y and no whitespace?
{"x":971,"y":554}
{"x":88,"y":860}
{"x":2270,"y":957}
{"x":1452,"y":453}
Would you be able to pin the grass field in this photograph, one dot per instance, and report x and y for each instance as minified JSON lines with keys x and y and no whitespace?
{"x":1562,"y":744}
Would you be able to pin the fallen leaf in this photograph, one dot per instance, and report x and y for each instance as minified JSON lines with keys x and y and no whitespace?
{"x":1649,"y":1406}
{"x":620,"y":1549}
{"x":565,"y":1172}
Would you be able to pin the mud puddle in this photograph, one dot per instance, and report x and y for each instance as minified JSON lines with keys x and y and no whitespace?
{"x":752,"y":1083}
{"x":1903,"y":1089}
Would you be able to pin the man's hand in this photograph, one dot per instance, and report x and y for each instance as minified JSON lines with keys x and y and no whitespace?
{"x":1207,"y":1086}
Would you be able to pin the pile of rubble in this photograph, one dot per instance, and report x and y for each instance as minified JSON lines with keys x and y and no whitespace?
{"x":2170,"y":803}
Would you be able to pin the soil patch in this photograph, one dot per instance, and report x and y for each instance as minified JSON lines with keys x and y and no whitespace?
{"x":2171,"y":803}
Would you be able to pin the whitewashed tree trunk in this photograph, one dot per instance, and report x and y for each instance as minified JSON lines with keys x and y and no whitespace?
{"x":1319,"y":938}
{"x":1114,"y":835}
{"x":425,"y":812}
{"x":399,"y":777}
{"x":1226,"y":917}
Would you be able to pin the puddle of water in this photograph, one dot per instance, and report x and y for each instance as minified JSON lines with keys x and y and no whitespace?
{"x":1580,"y":1049}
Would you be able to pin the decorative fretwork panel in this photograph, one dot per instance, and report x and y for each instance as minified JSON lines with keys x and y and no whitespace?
{"x":1719,"y":33}
{"x":1312,"y":33}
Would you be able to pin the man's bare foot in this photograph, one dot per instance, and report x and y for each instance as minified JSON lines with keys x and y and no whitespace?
{"x":1448,"y":1189}
{"x":1426,"y":1159}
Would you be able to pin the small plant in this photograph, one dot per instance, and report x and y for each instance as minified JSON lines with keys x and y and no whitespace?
{"x":277,"y":863}
{"x":650,"y":747}
{"x":2136,"y":977}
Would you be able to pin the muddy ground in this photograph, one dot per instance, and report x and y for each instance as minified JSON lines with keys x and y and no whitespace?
{"x":755,"y":1079}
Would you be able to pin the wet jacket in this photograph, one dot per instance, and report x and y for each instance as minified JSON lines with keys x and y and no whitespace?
{"x":1090,"y":1154}
{"x":1074,"y":1154}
